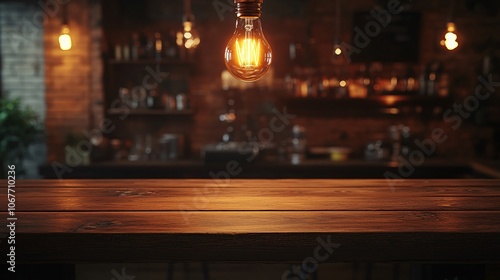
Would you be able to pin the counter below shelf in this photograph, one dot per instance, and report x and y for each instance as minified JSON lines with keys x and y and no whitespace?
{"x":320,"y":169}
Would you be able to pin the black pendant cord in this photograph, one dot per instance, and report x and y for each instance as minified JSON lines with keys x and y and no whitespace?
{"x":64,"y":14}
{"x":337,"y":21}
{"x":187,"y":8}
{"x":452,"y":8}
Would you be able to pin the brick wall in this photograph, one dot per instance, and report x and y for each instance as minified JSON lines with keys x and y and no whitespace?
{"x":22,"y":65}
{"x":63,"y":87}
{"x":73,"y":78}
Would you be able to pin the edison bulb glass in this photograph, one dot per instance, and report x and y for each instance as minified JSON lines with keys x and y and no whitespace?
{"x":248,"y":55}
{"x":65,"y":39}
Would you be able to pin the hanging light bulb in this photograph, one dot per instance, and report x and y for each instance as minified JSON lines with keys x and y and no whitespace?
{"x":337,"y":50}
{"x":188,"y":37}
{"x":248,"y":55}
{"x":450,"y":38}
{"x":65,"y":39}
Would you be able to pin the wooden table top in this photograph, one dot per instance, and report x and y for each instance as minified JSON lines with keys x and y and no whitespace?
{"x":255,"y":220}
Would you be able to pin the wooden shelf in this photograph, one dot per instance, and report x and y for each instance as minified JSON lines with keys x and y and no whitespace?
{"x":373,"y":105}
{"x":151,"y":62}
{"x":388,"y":99}
{"x":151,"y":112}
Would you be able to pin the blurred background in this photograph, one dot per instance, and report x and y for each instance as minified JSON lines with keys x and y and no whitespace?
{"x":356,"y":89}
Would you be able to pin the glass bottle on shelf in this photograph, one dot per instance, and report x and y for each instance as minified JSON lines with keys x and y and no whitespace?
{"x":411,"y":83}
{"x":171,"y":51}
{"x":135,"y":47}
{"x":153,"y":100}
{"x":148,"y":147}
{"x":443,"y":83}
{"x":434,"y":76}
{"x":422,"y":81}
{"x":137,"y":150}
{"x":126,"y":52}
{"x":291,"y":80}
{"x":323,"y":86}
{"x":169,"y":101}
{"x":297,"y":146}
{"x":181,"y":102}
{"x":368,"y":80}
{"x":357,"y":87}
{"x":148,"y":47}
{"x":118,"y":52}
{"x":139,"y":97}
{"x":158,"y":46}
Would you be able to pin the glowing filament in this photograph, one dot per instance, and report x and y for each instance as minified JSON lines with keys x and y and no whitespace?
{"x":248,"y":53}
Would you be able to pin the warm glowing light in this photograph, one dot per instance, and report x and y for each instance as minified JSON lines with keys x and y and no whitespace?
{"x":191,"y":36}
{"x":337,"y":50}
{"x":179,"y":39}
{"x":450,"y":38}
{"x":391,"y":111}
{"x":188,"y":38}
{"x":187,"y":26}
{"x":158,"y":43}
{"x":248,"y":52}
{"x":343,"y":83}
{"x":451,"y":45}
{"x":248,"y":55}
{"x":304,"y":89}
{"x":65,"y":39}
{"x":389,"y":100}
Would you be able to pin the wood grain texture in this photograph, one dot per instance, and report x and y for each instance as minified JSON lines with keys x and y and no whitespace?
{"x":245,"y":222}
{"x":260,"y":220}
{"x":192,"y":199}
{"x":256,"y":183}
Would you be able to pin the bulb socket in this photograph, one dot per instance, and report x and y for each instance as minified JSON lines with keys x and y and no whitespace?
{"x":248,"y":8}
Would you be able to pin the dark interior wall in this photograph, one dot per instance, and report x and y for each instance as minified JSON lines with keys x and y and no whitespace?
{"x":72,"y":80}
{"x":306,"y":22}
{"x":312,"y":24}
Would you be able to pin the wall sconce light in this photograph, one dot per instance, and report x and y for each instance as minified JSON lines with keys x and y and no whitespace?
{"x":188,"y":37}
{"x":65,"y":39}
{"x":248,"y":55}
{"x":337,"y":49}
{"x":450,"y":38}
